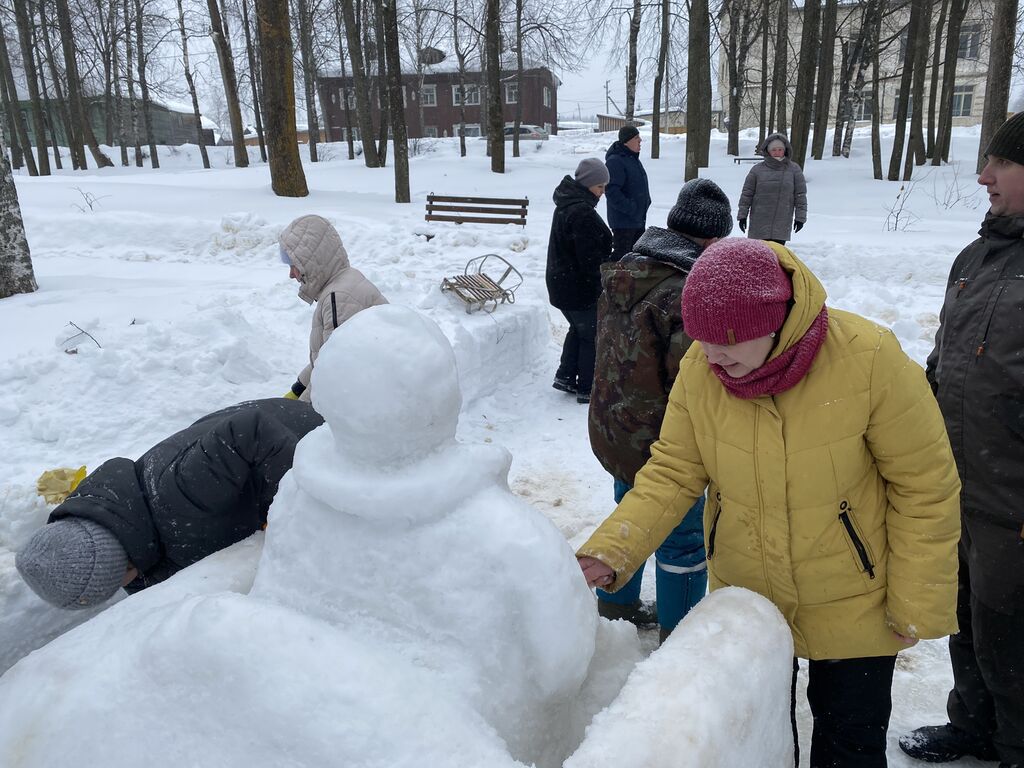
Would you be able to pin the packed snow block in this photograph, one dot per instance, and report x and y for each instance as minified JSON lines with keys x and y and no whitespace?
{"x":715,"y":695}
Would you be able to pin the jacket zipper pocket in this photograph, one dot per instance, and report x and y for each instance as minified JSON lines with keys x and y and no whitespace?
{"x":862,"y":552}
{"x":714,"y":527}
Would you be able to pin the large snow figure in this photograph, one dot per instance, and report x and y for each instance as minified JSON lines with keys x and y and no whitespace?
{"x":390,"y":528}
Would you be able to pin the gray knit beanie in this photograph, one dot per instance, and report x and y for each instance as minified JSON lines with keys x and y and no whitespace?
{"x":73,"y":563}
{"x":591,"y":172}
{"x":701,"y":210}
{"x":1008,"y":140}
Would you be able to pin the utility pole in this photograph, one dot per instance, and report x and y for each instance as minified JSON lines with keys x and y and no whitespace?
{"x":607,"y":97}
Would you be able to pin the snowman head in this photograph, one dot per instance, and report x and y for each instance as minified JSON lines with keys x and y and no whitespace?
{"x":387,"y":384}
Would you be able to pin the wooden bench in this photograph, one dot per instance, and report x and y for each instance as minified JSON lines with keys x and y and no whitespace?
{"x":739,"y":160}
{"x":483,"y":210}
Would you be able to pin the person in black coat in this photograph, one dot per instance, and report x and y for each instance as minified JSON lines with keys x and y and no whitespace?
{"x":133,"y":524}
{"x":580,"y":242}
{"x":629,"y":194}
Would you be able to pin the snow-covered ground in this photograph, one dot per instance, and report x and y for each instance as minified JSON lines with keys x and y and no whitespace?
{"x":162,"y":298}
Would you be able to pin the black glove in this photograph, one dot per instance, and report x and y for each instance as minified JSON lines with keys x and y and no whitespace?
{"x":797,"y":226}
{"x":743,"y":224}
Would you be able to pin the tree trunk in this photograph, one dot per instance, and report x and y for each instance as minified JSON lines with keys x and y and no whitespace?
{"x":495,"y":123}
{"x":944,"y":132}
{"x":29,"y":63}
{"x":222,"y":44}
{"x":80,"y":115}
{"x":308,"y":76}
{"x":876,"y":107}
{"x":17,"y":156}
{"x":49,"y":105}
{"x":659,"y":80}
{"x":191,"y":86}
{"x":1000,"y":72}
{"x":519,"y":79}
{"x":631,"y":65}
{"x":698,"y":88}
{"x":359,"y":83}
{"x":122,"y":125}
{"x":74,"y":145}
{"x":13,"y":110}
{"x":933,"y":88}
{"x":780,"y":75}
{"x":766,"y":118}
{"x":804,"y":97}
{"x":16,"y":274}
{"x":382,"y":90}
{"x":906,"y":78}
{"x":254,"y":77}
{"x":399,"y":133}
{"x":915,"y":143}
{"x":345,"y":89}
{"x":133,"y":110}
{"x":461,"y":56}
{"x":109,"y":73}
{"x":826,"y":71}
{"x":287,"y":178}
{"x":147,"y":104}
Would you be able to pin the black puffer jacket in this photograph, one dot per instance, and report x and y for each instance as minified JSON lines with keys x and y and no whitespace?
{"x":977,"y":372}
{"x":198,"y":491}
{"x":580,"y":242}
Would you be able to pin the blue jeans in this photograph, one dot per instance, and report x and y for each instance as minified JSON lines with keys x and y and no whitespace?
{"x":681,"y":578}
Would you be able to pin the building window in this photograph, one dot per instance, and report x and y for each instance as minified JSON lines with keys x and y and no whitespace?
{"x":430,"y":131}
{"x":547,"y":96}
{"x":896,"y":106}
{"x":468,"y":129}
{"x":428,"y":95}
{"x":351,"y":100}
{"x":970,"y":41}
{"x":963,"y":100}
{"x":865,"y":107}
{"x":511,"y":93}
{"x":472,"y":95}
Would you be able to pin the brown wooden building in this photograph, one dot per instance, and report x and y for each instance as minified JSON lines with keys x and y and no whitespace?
{"x":439,"y":97}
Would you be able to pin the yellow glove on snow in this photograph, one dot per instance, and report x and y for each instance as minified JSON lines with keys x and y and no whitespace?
{"x":55,"y":485}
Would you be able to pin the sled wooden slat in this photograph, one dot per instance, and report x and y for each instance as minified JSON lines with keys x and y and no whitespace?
{"x":479,"y":290}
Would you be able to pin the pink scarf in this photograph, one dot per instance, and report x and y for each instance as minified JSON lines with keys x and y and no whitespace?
{"x":784,"y":371}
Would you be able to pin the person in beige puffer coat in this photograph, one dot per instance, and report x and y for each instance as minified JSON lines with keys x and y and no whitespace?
{"x":318,"y":260}
{"x":831,"y":486}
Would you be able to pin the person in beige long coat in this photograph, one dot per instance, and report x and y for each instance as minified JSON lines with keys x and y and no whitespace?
{"x":831,"y":486}
{"x":312,"y":247}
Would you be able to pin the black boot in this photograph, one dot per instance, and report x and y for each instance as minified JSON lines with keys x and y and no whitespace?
{"x":943,"y":743}
{"x":641,"y":613}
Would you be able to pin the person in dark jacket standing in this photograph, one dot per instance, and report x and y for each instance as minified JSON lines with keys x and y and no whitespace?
{"x":133,"y":524}
{"x":774,"y":194}
{"x":640,"y":341}
{"x":629,"y":195}
{"x":580,"y":242}
{"x":977,"y":373}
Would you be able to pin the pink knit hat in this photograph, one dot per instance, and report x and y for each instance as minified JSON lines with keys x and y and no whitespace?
{"x":736,"y":291}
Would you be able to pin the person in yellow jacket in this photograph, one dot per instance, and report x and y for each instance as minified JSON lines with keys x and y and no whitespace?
{"x":832,"y":489}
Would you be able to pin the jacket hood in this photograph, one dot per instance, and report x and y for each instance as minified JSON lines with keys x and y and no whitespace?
{"x":1002,"y":227}
{"x":571,"y":192}
{"x":314,"y":246}
{"x":657,"y":255}
{"x":618,"y":148}
{"x":808,"y":299}
{"x":780,"y":137}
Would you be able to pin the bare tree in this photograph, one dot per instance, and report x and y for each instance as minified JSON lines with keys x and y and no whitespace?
{"x":190,"y":81}
{"x":698,"y":88}
{"x":766,"y":117}
{"x":826,"y":70}
{"x":1000,"y":71}
{"x":495,"y":123}
{"x":16,"y":123}
{"x":147,"y":104}
{"x":395,"y":99}
{"x":944,"y":132}
{"x":16,"y":274}
{"x":874,"y":25}
{"x":359,"y":83}
{"x":222,"y":44}
{"x":254,"y":77}
{"x":659,"y":80}
{"x":781,"y":69}
{"x":131,"y":116}
{"x":287,"y":178}
{"x":46,"y":99}
{"x":631,"y":65}
{"x":29,"y":63}
{"x":74,"y":142}
{"x":345,"y":90}
{"x":305,"y":23}
{"x":915,"y":143}
{"x":803,"y":99}
{"x":933,"y":88}
{"x":743,"y":21}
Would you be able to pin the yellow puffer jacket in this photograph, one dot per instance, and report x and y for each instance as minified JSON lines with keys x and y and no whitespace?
{"x":837,"y":499}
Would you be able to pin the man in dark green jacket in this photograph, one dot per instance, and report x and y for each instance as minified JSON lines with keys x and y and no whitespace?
{"x":640,"y":341}
{"x":977,"y":373}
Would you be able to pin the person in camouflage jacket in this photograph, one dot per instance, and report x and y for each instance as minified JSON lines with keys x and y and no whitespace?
{"x":640,"y":341}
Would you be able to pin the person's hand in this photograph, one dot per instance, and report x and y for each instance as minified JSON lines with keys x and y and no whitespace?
{"x":743,"y":224}
{"x":797,"y":226}
{"x":289,"y":395}
{"x":906,"y":640}
{"x":595,"y":572}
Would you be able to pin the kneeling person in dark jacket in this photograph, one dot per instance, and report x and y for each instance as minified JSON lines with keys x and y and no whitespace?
{"x":133,"y":524}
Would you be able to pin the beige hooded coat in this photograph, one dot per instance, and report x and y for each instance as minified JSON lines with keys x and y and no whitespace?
{"x":313,"y":246}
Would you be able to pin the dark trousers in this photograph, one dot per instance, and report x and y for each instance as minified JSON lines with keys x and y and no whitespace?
{"x":623,"y":241}
{"x":987,"y":654}
{"x":851,"y":700}
{"x":577,"y":362}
